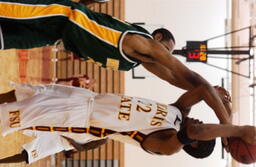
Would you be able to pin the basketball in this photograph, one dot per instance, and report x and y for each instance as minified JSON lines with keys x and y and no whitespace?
{"x":241,"y":151}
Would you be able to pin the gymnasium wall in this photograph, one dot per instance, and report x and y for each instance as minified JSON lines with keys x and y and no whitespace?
{"x":243,"y":15}
{"x":188,"y":20}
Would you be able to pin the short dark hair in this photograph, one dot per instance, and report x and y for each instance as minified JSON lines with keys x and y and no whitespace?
{"x":203,"y":150}
{"x":167,"y":35}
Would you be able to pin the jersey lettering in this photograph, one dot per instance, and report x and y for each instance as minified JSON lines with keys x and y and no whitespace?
{"x":14,"y":118}
{"x":155,"y":122}
{"x":160,"y":116}
{"x":162,"y":110}
{"x":143,"y":107}
{"x":34,"y":154}
{"x":125,"y":108}
{"x":124,"y":116}
{"x":129,"y":104}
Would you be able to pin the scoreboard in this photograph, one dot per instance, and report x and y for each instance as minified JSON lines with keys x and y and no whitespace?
{"x":196,"y":51}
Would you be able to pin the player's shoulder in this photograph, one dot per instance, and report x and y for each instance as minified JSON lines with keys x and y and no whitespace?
{"x":161,"y":134}
{"x":138,"y":41}
{"x":161,"y":137}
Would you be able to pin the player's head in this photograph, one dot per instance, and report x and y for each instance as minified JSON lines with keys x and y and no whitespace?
{"x":200,"y":149}
{"x":165,"y":37}
{"x":197,"y":149}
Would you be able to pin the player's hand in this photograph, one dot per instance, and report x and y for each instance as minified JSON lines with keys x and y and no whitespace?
{"x":224,"y":94}
{"x":225,"y":144}
{"x":83,"y":81}
{"x":248,"y":134}
{"x":86,"y":83}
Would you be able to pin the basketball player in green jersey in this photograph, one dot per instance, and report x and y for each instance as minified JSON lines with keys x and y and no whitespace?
{"x":108,"y":42}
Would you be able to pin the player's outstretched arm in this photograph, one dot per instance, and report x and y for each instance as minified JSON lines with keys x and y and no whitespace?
{"x":211,"y":131}
{"x":166,"y":75}
{"x":203,"y":92}
{"x":151,"y":51}
{"x":170,"y":142}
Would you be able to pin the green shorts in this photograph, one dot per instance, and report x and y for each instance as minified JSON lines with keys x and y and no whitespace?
{"x":26,"y":24}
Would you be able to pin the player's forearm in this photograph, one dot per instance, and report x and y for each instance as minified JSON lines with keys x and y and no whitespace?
{"x":212,"y":131}
{"x":166,"y":75}
{"x":182,"y":74}
{"x":211,"y":97}
{"x":228,"y":109}
{"x":192,"y":80}
{"x":209,"y":94}
{"x":188,"y":79}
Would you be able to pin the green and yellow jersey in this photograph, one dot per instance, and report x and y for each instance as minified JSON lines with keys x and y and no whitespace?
{"x":93,"y":36}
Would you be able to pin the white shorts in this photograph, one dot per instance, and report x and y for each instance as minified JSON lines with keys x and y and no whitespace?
{"x":49,"y":143}
{"x":47,"y":105}
{"x":45,"y":144}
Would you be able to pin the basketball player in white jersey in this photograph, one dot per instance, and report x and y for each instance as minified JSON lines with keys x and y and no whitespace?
{"x":58,"y":109}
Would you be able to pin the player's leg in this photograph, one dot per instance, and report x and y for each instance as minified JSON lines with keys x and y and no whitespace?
{"x":23,"y":156}
{"x":101,"y":1}
{"x":32,"y":23}
{"x":24,"y":36}
{"x":87,"y":146}
{"x":88,"y":2}
{"x":8,"y":97}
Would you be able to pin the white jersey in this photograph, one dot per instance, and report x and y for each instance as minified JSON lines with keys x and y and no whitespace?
{"x":65,"y":106}
{"x":47,"y":105}
{"x":122,"y":113}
